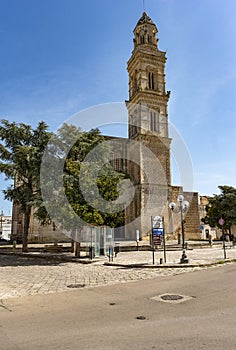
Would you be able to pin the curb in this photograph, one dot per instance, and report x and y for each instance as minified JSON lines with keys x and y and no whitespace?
{"x":169,"y":266}
{"x":113,"y":264}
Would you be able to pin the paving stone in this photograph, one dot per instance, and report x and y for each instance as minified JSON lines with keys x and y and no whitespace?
{"x":20,"y":276}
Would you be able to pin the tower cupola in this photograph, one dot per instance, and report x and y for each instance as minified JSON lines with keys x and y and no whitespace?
{"x":145,"y":32}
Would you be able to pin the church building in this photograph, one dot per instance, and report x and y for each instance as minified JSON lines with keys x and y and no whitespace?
{"x":148,"y":148}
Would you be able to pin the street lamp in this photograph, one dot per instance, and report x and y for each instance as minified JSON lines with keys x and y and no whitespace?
{"x":182,"y":208}
{"x":1,"y":220}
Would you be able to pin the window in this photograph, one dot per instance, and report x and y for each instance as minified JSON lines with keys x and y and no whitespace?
{"x":151,"y":80}
{"x":150,"y":41}
{"x":133,"y":129}
{"x":135,"y":83}
{"x":142,"y":39}
{"x":116,"y":160}
{"x":154,"y":122}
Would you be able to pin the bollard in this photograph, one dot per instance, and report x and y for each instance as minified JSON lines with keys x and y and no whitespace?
{"x":110,"y":255}
{"x":161,"y":261}
{"x":117,"y":249}
{"x":91,"y":253}
{"x":14,"y":245}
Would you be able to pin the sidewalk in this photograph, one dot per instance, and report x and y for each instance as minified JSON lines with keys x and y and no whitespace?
{"x":144,"y":258}
{"x":33,"y":273}
{"x":197,"y":257}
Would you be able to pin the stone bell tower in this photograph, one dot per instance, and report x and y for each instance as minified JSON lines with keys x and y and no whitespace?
{"x":148,"y":126}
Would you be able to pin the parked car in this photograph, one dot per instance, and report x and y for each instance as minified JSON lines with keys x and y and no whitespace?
{"x":4,"y":241}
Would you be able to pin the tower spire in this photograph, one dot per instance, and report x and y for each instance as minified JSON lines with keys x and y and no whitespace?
{"x":144,"y":6}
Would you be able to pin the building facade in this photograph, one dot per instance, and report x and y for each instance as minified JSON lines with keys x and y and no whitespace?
{"x":5,"y":226}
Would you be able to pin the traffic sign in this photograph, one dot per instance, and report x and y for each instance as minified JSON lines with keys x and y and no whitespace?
{"x":221,"y":221}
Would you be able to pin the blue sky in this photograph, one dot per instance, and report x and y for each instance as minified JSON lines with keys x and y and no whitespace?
{"x":61,"y":56}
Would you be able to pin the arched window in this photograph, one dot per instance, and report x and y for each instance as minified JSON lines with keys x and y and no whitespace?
{"x":150,"y":41}
{"x":142,"y":39}
{"x":151,"y":84}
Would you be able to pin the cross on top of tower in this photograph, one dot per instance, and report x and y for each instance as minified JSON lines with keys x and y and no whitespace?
{"x":144,"y":3}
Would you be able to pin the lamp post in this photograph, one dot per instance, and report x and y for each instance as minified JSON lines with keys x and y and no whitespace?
{"x":1,"y":220}
{"x":182,"y":208}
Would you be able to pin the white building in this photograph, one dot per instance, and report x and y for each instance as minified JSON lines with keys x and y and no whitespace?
{"x":5,"y":227}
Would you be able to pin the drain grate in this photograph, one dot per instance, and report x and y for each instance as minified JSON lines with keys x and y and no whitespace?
{"x":172,"y":298}
{"x":77,"y":285}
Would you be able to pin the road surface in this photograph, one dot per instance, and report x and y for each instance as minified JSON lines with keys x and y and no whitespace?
{"x":126,"y":317}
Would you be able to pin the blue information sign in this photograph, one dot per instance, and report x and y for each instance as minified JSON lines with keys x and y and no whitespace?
{"x":158,"y":231}
{"x":158,"y":235}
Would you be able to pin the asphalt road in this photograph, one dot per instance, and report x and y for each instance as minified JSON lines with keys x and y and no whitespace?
{"x":105,"y":318}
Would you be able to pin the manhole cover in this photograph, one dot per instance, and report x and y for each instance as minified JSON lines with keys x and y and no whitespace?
{"x":77,"y":285}
{"x":171,"y":297}
{"x":141,"y":318}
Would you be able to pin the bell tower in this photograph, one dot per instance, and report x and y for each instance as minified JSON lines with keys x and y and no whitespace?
{"x":148,"y":123}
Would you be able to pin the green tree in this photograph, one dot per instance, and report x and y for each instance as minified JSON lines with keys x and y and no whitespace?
{"x":71,"y":146}
{"x":21,"y":150}
{"x":222,"y":205}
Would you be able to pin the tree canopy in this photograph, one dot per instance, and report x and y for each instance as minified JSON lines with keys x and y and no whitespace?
{"x":222,"y":206}
{"x":21,"y":150}
{"x":78,"y":171}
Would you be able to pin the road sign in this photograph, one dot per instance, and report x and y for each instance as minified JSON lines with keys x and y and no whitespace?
{"x":221,"y":221}
{"x":158,"y":235}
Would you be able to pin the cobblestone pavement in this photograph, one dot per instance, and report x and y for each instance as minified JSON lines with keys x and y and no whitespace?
{"x":20,"y":276}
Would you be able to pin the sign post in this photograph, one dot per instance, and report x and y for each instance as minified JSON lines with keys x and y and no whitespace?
{"x":222,"y":222}
{"x":158,"y":235}
{"x":164,"y":239}
{"x":91,"y":250}
{"x":137,"y":238}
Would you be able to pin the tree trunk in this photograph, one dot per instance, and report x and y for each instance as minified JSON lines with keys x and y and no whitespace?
{"x":77,"y":249}
{"x":72,"y":246}
{"x":76,"y":245}
{"x":26,"y":229}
